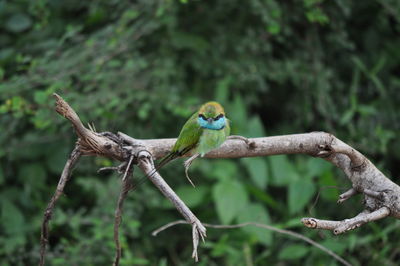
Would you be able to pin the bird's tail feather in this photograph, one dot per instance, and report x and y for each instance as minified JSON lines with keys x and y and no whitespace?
{"x":166,"y":159}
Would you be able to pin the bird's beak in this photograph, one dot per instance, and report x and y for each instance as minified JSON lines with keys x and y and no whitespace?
{"x":209,"y":120}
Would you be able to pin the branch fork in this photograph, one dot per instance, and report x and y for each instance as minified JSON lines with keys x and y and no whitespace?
{"x":381,"y":195}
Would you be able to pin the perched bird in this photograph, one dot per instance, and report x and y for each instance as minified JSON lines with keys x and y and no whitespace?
{"x":205,"y":130}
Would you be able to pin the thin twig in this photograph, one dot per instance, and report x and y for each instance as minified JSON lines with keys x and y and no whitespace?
{"x":319,"y":194}
{"x":268,"y":227}
{"x":128,"y":167}
{"x":66,"y":173}
{"x":346,"y":195}
{"x":125,"y":187}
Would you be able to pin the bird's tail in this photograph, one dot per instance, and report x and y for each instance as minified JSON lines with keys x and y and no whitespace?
{"x":166,"y":159}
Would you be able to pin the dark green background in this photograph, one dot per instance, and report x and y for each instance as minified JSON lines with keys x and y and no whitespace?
{"x":142,"y":67}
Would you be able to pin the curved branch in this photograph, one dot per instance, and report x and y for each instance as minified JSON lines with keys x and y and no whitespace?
{"x":66,"y":173}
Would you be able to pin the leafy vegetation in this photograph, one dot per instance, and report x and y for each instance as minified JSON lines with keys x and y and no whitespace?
{"x":142,"y":67}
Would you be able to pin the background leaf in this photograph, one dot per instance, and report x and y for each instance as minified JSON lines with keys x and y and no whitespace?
{"x":192,"y":196}
{"x":230,"y":199}
{"x":293,"y":252}
{"x":258,"y":170}
{"x":299,"y":194}
{"x":258,"y":214}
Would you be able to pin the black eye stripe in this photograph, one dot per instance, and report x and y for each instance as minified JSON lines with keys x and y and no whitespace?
{"x":215,"y":118}
{"x":218,"y":117}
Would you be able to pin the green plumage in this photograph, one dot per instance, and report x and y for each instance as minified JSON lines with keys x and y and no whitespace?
{"x":205,"y":130}
{"x":195,"y":138}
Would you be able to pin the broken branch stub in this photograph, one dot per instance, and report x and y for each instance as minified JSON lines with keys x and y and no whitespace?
{"x":90,"y":142}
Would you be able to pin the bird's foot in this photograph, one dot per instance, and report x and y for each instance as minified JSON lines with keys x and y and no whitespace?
{"x":250,"y":144}
{"x":187,"y":165}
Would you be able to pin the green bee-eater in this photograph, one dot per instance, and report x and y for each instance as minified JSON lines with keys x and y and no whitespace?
{"x":205,"y":130}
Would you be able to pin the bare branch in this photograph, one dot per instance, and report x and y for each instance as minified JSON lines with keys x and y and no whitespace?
{"x":147,"y":166}
{"x":264,"y":226}
{"x":346,"y":195}
{"x":66,"y":173}
{"x":381,"y":195}
{"x":339,"y":227}
{"x":125,"y":187}
{"x":365,"y":177}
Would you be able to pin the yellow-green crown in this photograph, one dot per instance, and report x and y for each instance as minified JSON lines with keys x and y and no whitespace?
{"x":211,"y":109}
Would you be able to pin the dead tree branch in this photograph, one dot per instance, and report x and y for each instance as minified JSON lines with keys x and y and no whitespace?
{"x":381,"y":195}
{"x":147,"y":166}
{"x":125,"y":187}
{"x":66,"y":173}
{"x":377,"y":189}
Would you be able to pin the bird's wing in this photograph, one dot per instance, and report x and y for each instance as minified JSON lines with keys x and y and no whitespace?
{"x":189,"y":136}
{"x":187,"y":140}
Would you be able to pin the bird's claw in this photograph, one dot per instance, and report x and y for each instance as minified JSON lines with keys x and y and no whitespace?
{"x":187,"y":165}
{"x":250,"y":144}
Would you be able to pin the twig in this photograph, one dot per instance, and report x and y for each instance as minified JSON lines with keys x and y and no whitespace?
{"x":268,"y":227}
{"x":125,"y":187}
{"x":128,"y":167}
{"x":346,"y":195}
{"x":339,"y":227}
{"x":319,"y":194}
{"x":66,"y":173}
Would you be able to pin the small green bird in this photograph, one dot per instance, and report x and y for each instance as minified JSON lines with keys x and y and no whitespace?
{"x":205,"y":130}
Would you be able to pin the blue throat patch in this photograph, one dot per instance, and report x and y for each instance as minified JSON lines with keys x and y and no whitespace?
{"x":214,"y":125}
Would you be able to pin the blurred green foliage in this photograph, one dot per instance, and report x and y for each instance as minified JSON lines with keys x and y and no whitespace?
{"x":142,"y":67}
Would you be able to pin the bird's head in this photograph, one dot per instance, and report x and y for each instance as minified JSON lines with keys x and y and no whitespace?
{"x":212,"y":116}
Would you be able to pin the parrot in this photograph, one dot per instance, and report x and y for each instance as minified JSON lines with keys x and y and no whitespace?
{"x":204,"y":131}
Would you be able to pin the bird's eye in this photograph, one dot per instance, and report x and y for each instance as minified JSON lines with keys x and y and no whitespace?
{"x":218,"y":117}
{"x":202,"y":117}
